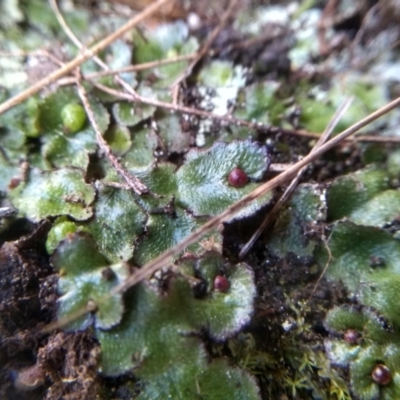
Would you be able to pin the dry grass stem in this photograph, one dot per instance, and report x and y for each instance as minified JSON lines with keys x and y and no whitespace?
{"x":206,"y":47}
{"x":140,"y":67}
{"x":134,"y":183}
{"x":229,"y":119}
{"x":84,"y":56}
{"x":271,"y":216}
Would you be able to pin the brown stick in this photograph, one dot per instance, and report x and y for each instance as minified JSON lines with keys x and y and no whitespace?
{"x":141,"y":67}
{"x":204,"y":49}
{"x":233,"y":120}
{"x":134,"y":183}
{"x":270,"y":218}
{"x":84,"y":56}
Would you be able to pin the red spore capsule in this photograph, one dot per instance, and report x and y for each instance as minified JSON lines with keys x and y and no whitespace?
{"x":237,"y":178}
{"x":14,"y":182}
{"x":351,"y":336}
{"x":381,"y":374}
{"x":221,"y":283}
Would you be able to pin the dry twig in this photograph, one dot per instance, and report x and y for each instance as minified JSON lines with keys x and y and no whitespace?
{"x":229,"y":119}
{"x":206,"y":47}
{"x":270,"y":218}
{"x":84,"y":56}
{"x":140,"y":67}
{"x":134,"y":183}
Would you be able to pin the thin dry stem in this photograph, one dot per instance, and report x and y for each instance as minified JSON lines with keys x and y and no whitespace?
{"x":229,"y":119}
{"x":84,"y":56}
{"x":141,"y":67}
{"x":134,"y":183}
{"x":325,"y":267}
{"x":206,"y":47}
{"x":270,"y":218}
{"x":80,"y":46}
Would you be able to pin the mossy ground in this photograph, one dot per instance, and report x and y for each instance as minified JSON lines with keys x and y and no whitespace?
{"x":290,"y":82}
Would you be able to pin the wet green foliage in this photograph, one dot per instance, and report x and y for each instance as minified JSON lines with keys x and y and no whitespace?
{"x":118,"y":221}
{"x":365,"y":258}
{"x":166,"y":42}
{"x":260,"y":103}
{"x":146,"y":328}
{"x":377,"y":343}
{"x":73,"y":118}
{"x":85,"y":279}
{"x":303,"y":212}
{"x":369,"y":199}
{"x":203,"y":180}
{"x":54,"y":193}
{"x":317,"y":107}
{"x":177,"y":332}
{"x":359,"y":253}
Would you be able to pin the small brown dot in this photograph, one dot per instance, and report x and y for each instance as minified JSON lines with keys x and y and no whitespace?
{"x":377,"y":262}
{"x":237,"y":178}
{"x":14,"y":182}
{"x":91,"y":306}
{"x":351,"y":336}
{"x":108,"y":274}
{"x":381,"y":374}
{"x":221,"y":284}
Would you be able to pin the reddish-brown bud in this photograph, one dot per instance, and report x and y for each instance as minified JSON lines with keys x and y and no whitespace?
{"x":381,"y":374}
{"x":237,"y":178}
{"x":351,"y":336}
{"x":221,"y":283}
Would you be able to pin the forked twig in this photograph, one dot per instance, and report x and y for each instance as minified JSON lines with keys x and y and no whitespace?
{"x":80,"y":46}
{"x":270,"y":218}
{"x":133,"y":182}
{"x":84,"y":56}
